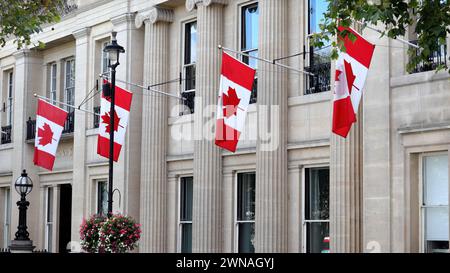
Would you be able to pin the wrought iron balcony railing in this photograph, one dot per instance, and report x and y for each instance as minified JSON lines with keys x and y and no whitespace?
{"x":320,"y":82}
{"x":31,"y":128}
{"x":189,"y":102}
{"x":437,"y":58}
{"x":68,"y":126}
{"x":6,"y":134}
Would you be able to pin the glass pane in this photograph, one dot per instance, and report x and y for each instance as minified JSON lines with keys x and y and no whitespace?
{"x":186,"y":238}
{"x":317,"y":237}
{"x":252,"y":62}
{"x":316,"y":15}
{"x":435,"y":174}
{"x":436,"y":224}
{"x":250,"y":17}
{"x":49,"y":236}
{"x":317,"y":194}
{"x":246,"y":197}
{"x":189,"y":74}
{"x":437,"y":247}
{"x":246,"y":237}
{"x":49,"y":204}
{"x":190,"y":50}
{"x":102,"y":191}
{"x":186,"y":199}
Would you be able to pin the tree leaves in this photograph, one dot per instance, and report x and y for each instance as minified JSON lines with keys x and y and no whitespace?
{"x":46,"y":135}
{"x":429,"y":20}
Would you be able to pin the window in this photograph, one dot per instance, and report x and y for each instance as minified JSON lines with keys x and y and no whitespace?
{"x":9,"y":115}
{"x":7,"y":217}
{"x":185,"y":226}
{"x":317,"y":60}
{"x":316,"y":210}
{"x":435,"y":203}
{"x":249,"y":40}
{"x":53,"y":83}
{"x":70,"y":82}
{"x":49,"y":219}
{"x":102,"y":198}
{"x":105,"y":60}
{"x":245,"y":213}
{"x":189,"y":60}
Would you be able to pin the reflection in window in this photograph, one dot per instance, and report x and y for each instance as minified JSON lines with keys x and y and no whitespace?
{"x":186,"y":193}
{"x":316,"y":223}
{"x":9,"y":113}
{"x":249,"y":40}
{"x":190,"y":59}
{"x":70,"y":83}
{"x":53,"y":83}
{"x":102,"y":198}
{"x":246,"y":212}
{"x":435,"y":203}
{"x":6,"y":217}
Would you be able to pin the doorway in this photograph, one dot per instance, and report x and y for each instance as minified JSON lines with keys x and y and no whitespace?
{"x":65,"y":217}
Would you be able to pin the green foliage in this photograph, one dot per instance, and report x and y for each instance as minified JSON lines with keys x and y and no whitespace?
{"x":22,"y":18}
{"x":429,"y":18}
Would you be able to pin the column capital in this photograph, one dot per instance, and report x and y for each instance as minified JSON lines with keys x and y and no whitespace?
{"x":81,"y":33}
{"x":192,"y":4}
{"x":25,"y":52}
{"x":123,"y":18}
{"x":154,"y":15}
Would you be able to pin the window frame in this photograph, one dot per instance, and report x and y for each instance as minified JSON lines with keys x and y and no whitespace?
{"x":241,"y":39}
{"x":236,"y":222}
{"x":66,"y":87}
{"x":98,"y":195}
{"x":53,"y":82}
{"x":10,"y":89}
{"x":104,"y":57}
{"x":180,"y":223}
{"x":304,"y":222}
{"x":422,"y":213}
{"x":49,"y":223}
{"x":6,"y":216}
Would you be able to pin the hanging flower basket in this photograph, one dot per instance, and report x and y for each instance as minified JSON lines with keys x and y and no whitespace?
{"x":116,"y":234}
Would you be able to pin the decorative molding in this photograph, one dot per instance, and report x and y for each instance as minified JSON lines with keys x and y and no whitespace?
{"x":154,"y":15}
{"x":25,"y":52}
{"x":81,"y":33}
{"x":123,"y":18}
{"x":192,"y":4}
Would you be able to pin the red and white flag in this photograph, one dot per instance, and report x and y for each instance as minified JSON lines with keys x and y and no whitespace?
{"x":49,"y":126}
{"x":236,"y":84}
{"x":351,"y":72}
{"x":121,"y":114}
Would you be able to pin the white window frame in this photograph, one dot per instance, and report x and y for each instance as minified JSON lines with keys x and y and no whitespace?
{"x":303,"y":198}
{"x":66,"y":87}
{"x":49,"y":221}
{"x":53,"y":82}
{"x":235,"y":208}
{"x":7,"y":216}
{"x":104,"y":59}
{"x":422,"y":246}
{"x":183,"y":55}
{"x":9,"y":113}
{"x":179,"y":222}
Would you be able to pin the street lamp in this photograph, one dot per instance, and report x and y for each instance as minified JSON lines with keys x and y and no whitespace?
{"x":113,"y":51}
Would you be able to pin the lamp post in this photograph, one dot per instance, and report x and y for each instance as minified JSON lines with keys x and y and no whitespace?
{"x":113,"y":50}
{"x":22,"y":242}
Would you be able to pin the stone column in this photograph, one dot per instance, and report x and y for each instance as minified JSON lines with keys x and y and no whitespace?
{"x":154,"y":130}
{"x":79,"y":182}
{"x":207,"y":207}
{"x":271,"y":155}
{"x":346,"y":190}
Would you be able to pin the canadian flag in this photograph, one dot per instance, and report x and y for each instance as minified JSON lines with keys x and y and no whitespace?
{"x":49,"y":126}
{"x":236,"y":84}
{"x":351,"y":72}
{"x":121,"y":114}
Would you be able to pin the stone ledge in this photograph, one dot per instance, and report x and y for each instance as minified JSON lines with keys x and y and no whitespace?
{"x":417,"y":78}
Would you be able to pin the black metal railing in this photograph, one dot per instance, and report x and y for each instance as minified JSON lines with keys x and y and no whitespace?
{"x":6,"y":134}
{"x":96,"y":116}
{"x":70,"y":123}
{"x":320,"y":82}
{"x":436,"y":58}
{"x":68,"y":126}
{"x":189,"y":102}
{"x":31,"y":128}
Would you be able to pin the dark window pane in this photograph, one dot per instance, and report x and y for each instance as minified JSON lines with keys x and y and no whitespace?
{"x":186,"y":238}
{"x":189,"y":73}
{"x":317,"y":194}
{"x":246,"y":237}
{"x":102,"y":198}
{"x":190,"y":47}
{"x":246,"y":197}
{"x":189,"y":102}
{"x":317,"y":235}
{"x":186,"y":199}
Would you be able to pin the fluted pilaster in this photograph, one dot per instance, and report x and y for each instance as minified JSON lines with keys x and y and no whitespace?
{"x":206,"y":222}
{"x":154,"y":131}
{"x":346,"y":190}
{"x":271,"y":163}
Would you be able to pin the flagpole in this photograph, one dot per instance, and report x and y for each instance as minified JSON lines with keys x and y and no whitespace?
{"x":273,"y":62}
{"x":65,"y":104}
{"x":381,"y":32}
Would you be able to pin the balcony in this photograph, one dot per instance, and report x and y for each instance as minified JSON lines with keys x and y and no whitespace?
{"x":189,"y":102}
{"x":68,"y":126}
{"x":6,"y":134}
{"x":437,"y":58}
{"x":96,"y":116}
{"x":320,"y":82}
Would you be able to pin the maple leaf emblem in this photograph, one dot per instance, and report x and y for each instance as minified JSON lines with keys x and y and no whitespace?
{"x":350,"y":76}
{"x":106,"y":120}
{"x":230,"y":102}
{"x":45,"y":134}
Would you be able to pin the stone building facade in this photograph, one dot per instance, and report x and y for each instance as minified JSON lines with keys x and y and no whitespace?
{"x":291,"y":186}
